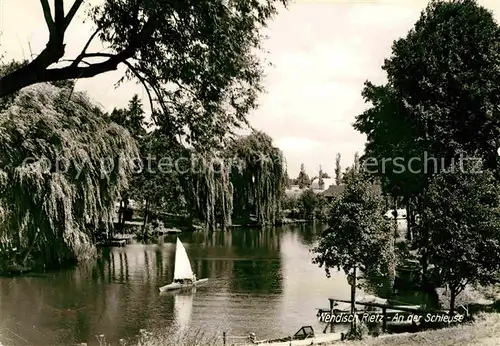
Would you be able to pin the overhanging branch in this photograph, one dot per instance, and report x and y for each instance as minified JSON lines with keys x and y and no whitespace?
{"x":72,"y":12}
{"x":37,"y":71}
{"x":81,"y":56}
{"x":48,"y":17}
{"x":59,"y":15}
{"x":144,"y":83}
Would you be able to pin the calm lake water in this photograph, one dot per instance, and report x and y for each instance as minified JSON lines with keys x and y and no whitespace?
{"x":260,"y":281}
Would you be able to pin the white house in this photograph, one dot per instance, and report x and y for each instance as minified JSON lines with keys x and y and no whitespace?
{"x":401,"y":214}
{"x":327,"y":183}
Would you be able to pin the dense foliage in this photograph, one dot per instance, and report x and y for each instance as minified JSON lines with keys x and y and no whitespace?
{"x":338,"y":170}
{"x":460,"y":227}
{"x":312,"y":206}
{"x":258,"y":176}
{"x":358,"y":237}
{"x":303,"y":179}
{"x":438,"y":110}
{"x":442,"y":97}
{"x":197,"y":60}
{"x":245,"y":177}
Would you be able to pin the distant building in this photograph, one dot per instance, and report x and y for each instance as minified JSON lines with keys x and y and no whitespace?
{"x":335,"y":190}
{"x":401,"y":214}
{"x":295,"y":190}
{"x":327,"y":182}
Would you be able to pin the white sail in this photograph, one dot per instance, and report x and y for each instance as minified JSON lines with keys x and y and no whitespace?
{"x":182,"y":269}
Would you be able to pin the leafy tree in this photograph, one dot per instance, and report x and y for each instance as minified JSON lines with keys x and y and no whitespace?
{"x":290,"y":202}
{"x":132,"y":117}
{"x":321,"y":182}
{"x":62,"y":167}
{"x":358,"y":236}
{"x":325,"y":175}
{"x":303,"y":179}
{"x":257,"y":175}
{"x":308,"y":204}
{"x":247,"y":178}
{"x":157,"y":182}
{"x":461,"y":219}
{"x":356,"y":165}
{"x":338,"y":170}
{"x":448,"y":104}
{"x":288,"y":181}
{"x":196,"y":60}
{"x":312,"y":206}
{"x":321,"y":212}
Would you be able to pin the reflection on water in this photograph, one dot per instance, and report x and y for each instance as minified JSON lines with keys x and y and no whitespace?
{"x":260,"y":281}
{"x":183,"y":309}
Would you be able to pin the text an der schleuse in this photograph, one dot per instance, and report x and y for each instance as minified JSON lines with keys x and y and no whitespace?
{"x":374,"y":317}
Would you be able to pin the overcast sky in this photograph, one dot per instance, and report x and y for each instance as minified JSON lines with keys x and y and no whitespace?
{"x":322,"y":52}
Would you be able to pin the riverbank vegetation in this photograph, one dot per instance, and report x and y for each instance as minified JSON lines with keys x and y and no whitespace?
{"x":484,"y":331}
{"x":53,"y":192}
{"x":432,"y":143}
{"x":49,"y":218}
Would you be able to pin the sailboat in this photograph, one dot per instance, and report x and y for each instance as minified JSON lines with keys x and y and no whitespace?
{"x":183,"y":273}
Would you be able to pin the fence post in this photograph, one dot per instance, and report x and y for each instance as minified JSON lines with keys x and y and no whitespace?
{"x":224,"y":338}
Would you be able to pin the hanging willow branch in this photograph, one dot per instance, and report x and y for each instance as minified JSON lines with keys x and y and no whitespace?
{"x":247,"y":178}
{"x":210,"y":191}
{"x":259,"y":177}
{"x":61,"y":167}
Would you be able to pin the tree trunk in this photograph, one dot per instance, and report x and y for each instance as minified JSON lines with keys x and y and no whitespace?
{"x":408,"y":219}
{"x":146,"y":213}
{"x":353,"y":298}
{"x":424,"y":243}
{"x":32,"y":244}
{"x":125,"y":208}
{"x":396,"y":233}
{"x":120,"y":213}
{"x":453,"y":295}
{"x":391,"y":266}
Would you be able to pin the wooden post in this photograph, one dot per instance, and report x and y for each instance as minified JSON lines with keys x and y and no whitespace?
{"x":384,"y":321}
{"x":332,"y":303}
{"x":224,"y":338}
{"x":353,"y":297}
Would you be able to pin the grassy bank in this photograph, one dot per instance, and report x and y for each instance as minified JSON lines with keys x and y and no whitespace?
{"x":485,"y":331}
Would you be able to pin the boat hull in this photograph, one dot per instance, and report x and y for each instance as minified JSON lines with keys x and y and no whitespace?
{"x":176,"y":286}
{"x":317,"y":340}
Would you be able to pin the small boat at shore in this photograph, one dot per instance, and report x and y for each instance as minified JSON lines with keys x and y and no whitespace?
{"x":183,"y":273}
{"x":304,"y":336}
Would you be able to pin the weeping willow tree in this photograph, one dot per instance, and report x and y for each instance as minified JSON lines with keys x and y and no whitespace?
{"x":62,"y":165}
{"x":258,"y":177}
{"x":210,"y":190}
{"x":247,"y":177}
